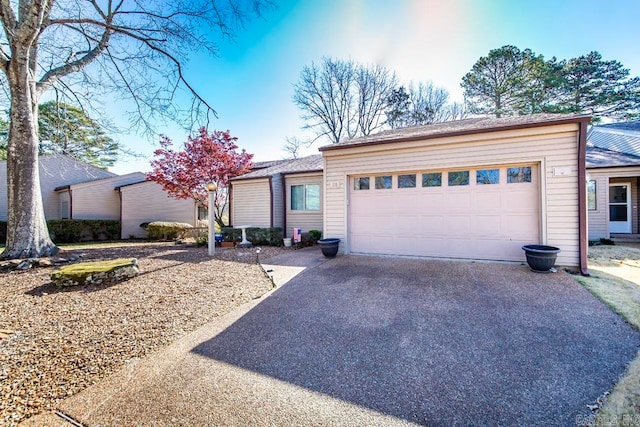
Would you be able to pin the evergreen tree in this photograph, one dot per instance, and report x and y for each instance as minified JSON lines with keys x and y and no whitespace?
{"x":67,"y":129}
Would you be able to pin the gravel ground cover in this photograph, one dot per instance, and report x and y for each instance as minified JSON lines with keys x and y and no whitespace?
{"x":59,"y":341}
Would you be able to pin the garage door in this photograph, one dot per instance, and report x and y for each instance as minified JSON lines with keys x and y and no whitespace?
{"x":478,"y":213}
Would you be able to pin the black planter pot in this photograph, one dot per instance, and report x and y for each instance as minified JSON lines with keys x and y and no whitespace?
{"x":329,"y":247}
{"x":541,"y":258}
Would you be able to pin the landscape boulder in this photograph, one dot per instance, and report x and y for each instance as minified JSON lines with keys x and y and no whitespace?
{"x":96,"y":272}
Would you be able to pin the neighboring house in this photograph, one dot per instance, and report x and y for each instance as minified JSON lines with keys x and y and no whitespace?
{"x":72,"y":189}
{"x":96,"y":199}
{"x":613,"y":178}
{"x":146,"y":201}
{"x":286,"y":193}
{"x":55,"y":171}
{"x":477,"y":188}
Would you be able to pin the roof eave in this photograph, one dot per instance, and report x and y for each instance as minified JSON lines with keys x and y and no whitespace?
{"x":249,"y":178}
{"x":612,"y":166}
{"x":472,"y":131}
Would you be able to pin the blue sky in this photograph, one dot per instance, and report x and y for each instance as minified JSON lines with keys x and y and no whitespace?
{"x":250,"y":82}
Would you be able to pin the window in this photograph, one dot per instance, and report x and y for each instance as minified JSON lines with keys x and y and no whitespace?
{"x":407,"y":181}
{"x":64,"y":210}
{"x":591,"y":195}
{"x":361,"y":183}
{"x":383,"y":182}
{"x":432,"y":179}
{"x":305,"y":197}
{"x":203,"y":213}
{"x":458,"y":178}
{"x":488,"y":176}
{"x":516,"y":175}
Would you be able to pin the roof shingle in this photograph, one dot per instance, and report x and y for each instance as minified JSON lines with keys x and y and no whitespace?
{"x":597,"y":157}
{"x":313,"y":163}
{"x":459,"y":127}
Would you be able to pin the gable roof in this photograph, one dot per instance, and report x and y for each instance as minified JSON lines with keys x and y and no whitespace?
{"x":63,"y":169}
{"x":313,"y":163}
{"x":597,"y":157}
{"x":633,"y":126}
{"x":267,"y":164}
{"x":619,"y":137}
{"x":143,"y":181}
{"x":459,"y":127}
{"x":129,"y":177}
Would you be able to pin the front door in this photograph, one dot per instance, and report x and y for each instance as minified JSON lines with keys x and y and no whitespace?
{"x":620,"y":208}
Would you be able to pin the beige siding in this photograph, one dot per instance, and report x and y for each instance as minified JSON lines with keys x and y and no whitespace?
{"x":251,"y":204}
{"x":99,"y":199}
{"x":277,"y":189}
{"x":599,"y":218}
{"x":55,"y":171}
{"x":554,"y":148}
{"x":146,"y":202}
{"x":305,"y":220}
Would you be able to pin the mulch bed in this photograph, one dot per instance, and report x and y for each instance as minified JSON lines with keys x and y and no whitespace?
{"x":58,"y":341}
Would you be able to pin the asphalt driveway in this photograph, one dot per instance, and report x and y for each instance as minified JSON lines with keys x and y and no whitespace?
{"x":378,"y":340}
{"x":436,"y":342}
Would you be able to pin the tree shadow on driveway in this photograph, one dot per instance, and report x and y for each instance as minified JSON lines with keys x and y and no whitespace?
{"x":436,"y":342}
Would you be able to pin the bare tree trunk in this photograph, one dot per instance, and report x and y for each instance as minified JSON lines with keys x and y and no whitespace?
{"x":27,"y":233}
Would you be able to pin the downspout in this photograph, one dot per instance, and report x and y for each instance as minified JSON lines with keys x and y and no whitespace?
{"x":284,"y":205}
{"x":120,"y":222}
{"x":70,"y":204}
{"x":583,"y":243}
{"x":230,"y":205}
{"x":271,"y":201}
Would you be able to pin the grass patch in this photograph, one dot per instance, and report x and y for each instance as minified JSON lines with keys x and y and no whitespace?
{"x":615,"y":279}
{"x":102,"y":245}
{"x":621,"y":295}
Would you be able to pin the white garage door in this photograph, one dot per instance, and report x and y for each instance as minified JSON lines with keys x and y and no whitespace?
{"x":479,"y":213}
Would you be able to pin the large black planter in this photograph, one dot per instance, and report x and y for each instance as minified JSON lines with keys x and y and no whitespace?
{"x":541,"y":258}
{"x":329,"y":247}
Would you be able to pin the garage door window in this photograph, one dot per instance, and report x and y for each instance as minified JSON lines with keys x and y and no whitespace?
{"x":305,"y":197}
{"x":432,"y":179}
{"x":361,"y":183}
{"x":407,"y":181}
{"x":521,"y":174}
{"x":488,"y":176}
{"x":383,"y":182}
{"x":458,"y":178}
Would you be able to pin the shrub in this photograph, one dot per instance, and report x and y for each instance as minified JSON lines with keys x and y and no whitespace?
{"x":305,"y":240}
{"x":315,"y":235}
{"x":257,"y":236}
{"x":161,"y":230}
{"x":82,"y":230}
{"x":202,"y":240}
{"x":76,"y":230}
{"x":265,"y":236}
{"x":230,"y":234}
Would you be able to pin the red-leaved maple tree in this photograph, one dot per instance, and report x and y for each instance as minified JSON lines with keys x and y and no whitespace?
{"x":207,"y":157}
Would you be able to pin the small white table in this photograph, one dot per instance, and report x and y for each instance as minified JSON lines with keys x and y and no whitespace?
{"x":244,"y":242}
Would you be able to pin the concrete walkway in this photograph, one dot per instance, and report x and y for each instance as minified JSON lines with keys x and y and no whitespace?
{"x":284,"y":267}
{"x":382,"y":341}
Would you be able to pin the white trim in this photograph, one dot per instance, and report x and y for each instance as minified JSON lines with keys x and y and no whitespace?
{"x":629,"y":221}
{"x":346,"y":178}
